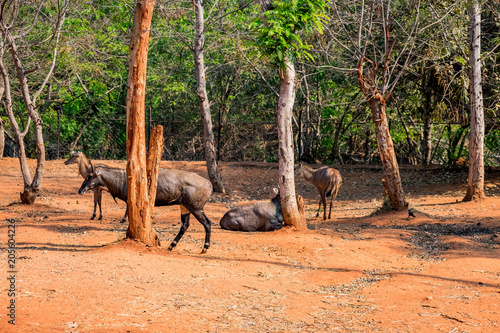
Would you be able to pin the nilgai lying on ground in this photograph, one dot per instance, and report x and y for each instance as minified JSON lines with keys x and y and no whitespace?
{"x":261,"y":216}
{"x":84,"y":169}
{"x":175,"y":187}
{"x":326,"y":180}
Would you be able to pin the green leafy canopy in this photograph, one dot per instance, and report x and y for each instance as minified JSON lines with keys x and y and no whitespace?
{"x":278,"y":28}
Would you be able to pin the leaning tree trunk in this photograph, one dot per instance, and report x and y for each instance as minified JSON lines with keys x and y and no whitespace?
{"x":33,"y":185}
{"x":291,"y":214}
{"x":138,"y":201}
{"x":201,"y":91}
{"x":387,"y":156}
{"x":376,"y":100}
{"x":8,"y":41}
{"x":475,"y":189}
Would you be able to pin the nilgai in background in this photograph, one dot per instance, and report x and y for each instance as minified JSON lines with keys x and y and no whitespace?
{"x":175,"y":187}
{"x":326,"y":180}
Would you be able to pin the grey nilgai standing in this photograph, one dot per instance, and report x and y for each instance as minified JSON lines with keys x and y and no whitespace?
{"x":84,"y":169}
{"x":262,"y":216}
{"x":175,"y":187}
{"x":326,"y":180}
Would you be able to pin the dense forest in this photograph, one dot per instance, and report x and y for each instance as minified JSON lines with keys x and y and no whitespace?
{"x":424,"y":72}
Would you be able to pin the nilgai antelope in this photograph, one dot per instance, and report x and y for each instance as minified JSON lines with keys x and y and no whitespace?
{"x":261,"y":216}
{"x":84,"y":170}
{"x":175,"y":187}
{"x":326,"y":180}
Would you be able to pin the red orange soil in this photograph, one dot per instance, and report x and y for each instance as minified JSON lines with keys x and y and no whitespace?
{"x":361,"y":271}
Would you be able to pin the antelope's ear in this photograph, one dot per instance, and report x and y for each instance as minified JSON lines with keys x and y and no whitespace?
{"x":276,"y":191}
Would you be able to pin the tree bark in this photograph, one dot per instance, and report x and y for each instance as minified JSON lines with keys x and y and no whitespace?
{"x":138,"y":201}
{"x":475,"y":186}
{"x":291,"y":214}
{"x":387,"y":156}
{"x":201,"y":91}
{"x":376,"y":100}
{"x":2,"y":128}
{"x":153,"y":163}
{"x":2,"y":138}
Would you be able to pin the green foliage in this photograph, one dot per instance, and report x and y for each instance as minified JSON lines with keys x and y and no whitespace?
{"x":94,"y":50}
{"x":279,"y":28}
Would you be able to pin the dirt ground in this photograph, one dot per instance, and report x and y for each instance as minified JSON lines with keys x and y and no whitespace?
{"x":365,"y":270}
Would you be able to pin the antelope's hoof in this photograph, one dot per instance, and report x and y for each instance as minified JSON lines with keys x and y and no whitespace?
{"x":170,"y":248}
{"x":122,"y":221}
{"x":204,"y":251}
{"x":100,"y":217}
{"x":93,"y":217}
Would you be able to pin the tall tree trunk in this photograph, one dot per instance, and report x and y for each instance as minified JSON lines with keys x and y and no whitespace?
{"x":138,"y":201}
{"x":2,"y":138}
{"x":291,"y":214}
{"x":475,"y":188}
{"x":387,"y":156}
{"x":388,"y":159}
{"x":201,"y":91}
{"x":2,"y":128}
{"x":31,"y":185}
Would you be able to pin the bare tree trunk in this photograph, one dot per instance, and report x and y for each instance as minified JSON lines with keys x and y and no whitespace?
{"x":291,"y":214}
{"x":2,"y":138}
{"x":387,"y":156}
{"x":9,"y":37}
{"x":388,"y":159}
{"x":2,"y":128}
{"x":386,"y":150}
{"x":153,"y":163}
{"x":138,"y":200}
{"x":475,"y":189}
{"x":201,"y":91}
